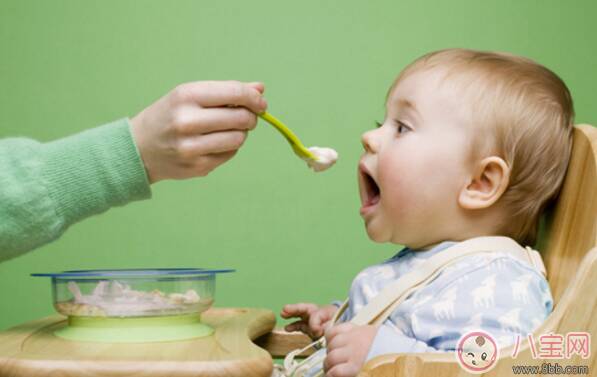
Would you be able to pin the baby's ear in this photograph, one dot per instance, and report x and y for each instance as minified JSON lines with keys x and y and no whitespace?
{"x":486,"y":185}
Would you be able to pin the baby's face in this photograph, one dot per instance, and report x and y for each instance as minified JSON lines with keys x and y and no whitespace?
{"x":416,"y":162}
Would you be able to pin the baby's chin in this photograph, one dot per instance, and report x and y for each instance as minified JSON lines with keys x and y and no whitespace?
{"x":377,"y":233}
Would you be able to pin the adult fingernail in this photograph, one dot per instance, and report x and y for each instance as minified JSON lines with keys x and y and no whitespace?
{"x":258,"y":85}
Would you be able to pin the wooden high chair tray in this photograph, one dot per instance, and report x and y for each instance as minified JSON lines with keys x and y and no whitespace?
{"x":31,"y":350}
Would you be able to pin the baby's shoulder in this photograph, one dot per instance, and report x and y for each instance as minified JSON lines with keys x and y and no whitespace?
{"x":489,"y":269}
{"x":483,"y":268}
{"x":498,"y":261}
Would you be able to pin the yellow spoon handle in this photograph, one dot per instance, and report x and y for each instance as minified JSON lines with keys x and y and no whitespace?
{"x":292,"y":139}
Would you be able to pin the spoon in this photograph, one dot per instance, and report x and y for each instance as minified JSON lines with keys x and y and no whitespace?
{"x":298,"y":147}
{"x":318,"y":159}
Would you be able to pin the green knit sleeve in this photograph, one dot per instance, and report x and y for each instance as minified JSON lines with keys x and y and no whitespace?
{"x":44,"y":188}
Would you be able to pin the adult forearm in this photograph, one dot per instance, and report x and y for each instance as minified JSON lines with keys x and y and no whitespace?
{"x":45,"y":188}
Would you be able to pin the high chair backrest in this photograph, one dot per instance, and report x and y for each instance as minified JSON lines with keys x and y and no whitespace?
{"x":571,"y":224}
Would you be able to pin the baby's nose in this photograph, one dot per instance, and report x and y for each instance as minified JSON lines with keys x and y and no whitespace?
{"x":368,"y":141}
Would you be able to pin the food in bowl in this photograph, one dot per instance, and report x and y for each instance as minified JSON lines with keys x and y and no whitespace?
{"x":133,"y":293}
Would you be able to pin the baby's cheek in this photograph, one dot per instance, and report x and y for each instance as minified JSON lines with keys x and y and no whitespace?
{"x":403,"y":204}
{"x":406,"y":182}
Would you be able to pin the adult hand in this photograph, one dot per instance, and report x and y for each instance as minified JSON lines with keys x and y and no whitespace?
{"x":196,"y":127}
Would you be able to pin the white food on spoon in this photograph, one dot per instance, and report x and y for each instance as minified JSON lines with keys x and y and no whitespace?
{"x":324,"y":158}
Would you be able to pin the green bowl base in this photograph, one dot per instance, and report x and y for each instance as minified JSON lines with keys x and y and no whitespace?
{"x":134,"y":330}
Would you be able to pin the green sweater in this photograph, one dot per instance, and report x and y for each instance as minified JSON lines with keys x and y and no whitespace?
{"x":46,"y":187}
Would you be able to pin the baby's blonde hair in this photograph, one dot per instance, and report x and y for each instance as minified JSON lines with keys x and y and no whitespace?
{"x":529,"y":113}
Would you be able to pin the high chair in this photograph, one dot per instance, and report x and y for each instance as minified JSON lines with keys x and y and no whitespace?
{"x":568,"y":244}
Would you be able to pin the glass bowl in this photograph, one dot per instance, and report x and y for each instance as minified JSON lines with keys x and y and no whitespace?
{"x":133,"y":293}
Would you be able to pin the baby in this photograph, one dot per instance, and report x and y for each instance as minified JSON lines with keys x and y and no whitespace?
{"x":473,"y":144}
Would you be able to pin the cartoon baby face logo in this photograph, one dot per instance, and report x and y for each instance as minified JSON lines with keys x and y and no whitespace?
{"x":477,"y":352}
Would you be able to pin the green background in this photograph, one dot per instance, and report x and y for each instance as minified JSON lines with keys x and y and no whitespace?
{"x":293,"y":235}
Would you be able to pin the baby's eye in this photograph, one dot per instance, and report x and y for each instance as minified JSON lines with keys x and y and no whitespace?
{"x":402,"y":128}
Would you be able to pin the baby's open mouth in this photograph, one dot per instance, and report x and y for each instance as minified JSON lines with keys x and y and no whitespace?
{"x":370,"y":193}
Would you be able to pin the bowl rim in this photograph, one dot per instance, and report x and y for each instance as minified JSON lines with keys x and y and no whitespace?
{"x":134,"y":272}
